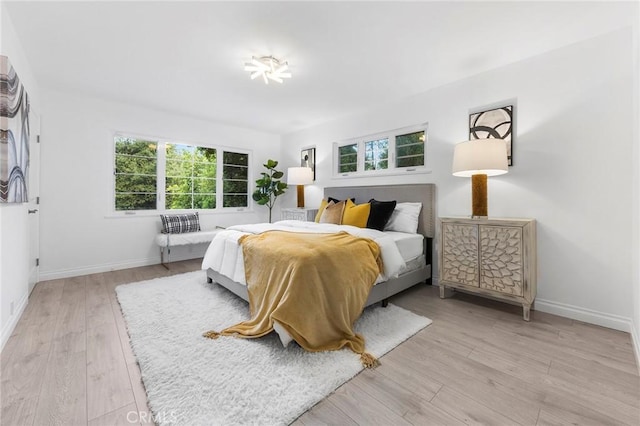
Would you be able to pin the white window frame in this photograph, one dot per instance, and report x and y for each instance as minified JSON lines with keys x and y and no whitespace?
{"x":392,"y":169}
{"x":161,"y":178}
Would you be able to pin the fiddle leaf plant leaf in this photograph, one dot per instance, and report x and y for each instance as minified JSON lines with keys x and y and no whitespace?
{"x":271,"y":164}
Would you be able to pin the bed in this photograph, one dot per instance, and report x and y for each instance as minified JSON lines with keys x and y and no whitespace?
{"x":418,"y":271}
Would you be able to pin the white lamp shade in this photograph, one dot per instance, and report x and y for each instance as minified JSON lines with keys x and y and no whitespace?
{"x":299,"y":176}
{"x":480,"y":156}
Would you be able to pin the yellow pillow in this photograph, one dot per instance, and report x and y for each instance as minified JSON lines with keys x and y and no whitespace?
{"x":356,"y":215}
{"x":323,"y":205}
{"x":333,"y":213}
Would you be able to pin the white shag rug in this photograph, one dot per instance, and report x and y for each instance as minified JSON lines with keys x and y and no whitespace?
{"x":230,"y":381}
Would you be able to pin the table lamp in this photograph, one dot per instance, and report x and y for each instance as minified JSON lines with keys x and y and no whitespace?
{"x":300,"y":176}
{"x":480,"y":158}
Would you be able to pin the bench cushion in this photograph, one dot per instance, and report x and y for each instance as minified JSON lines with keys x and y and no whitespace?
{"x":201,"y":237}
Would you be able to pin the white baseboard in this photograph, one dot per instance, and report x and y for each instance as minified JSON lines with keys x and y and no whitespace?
{"x":178,"y":253}
{"x":635,"y":341}
{"x":96,"y":269}
{"x":586,"y":315}
{"x":615,"y":322}
{"x":13,"y":321}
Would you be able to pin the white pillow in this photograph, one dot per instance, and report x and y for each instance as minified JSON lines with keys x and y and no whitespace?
{"x":404,"y":218}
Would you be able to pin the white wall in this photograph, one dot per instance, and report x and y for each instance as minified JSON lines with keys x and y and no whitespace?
{"x":14,"y":229}
{"x":572,"y":165}
{"x":77,"y":234}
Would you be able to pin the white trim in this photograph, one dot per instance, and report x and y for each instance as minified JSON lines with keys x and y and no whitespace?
{"x":95,"y":269}
{"x":156,"y":213}
{"x":615,"y":322}
{"x":187,"y":253}
{"x":161,"y":174}
{"x":635,"y":342}
{"x":603,"y":319}
{"x":418,"y":170}
{"x":13,"y":321}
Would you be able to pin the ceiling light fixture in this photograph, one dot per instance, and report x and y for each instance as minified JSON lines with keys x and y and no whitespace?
{"x":267,"y":67}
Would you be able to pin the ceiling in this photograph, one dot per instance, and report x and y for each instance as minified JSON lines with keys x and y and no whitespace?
{"x":187,"y":57}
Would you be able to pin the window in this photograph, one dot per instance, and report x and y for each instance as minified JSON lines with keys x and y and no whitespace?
{"x":410,"y":149}
{"x":190,"y":177}
{"x":235,"y":179}
{"x":376,"y":154}
{"x":161,"y":175}
{"x":135,"y":174}
{"x":396,"y":151}
{"x":348,"y":158}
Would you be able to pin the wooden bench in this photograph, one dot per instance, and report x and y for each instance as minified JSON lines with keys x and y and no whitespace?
{"x":166,"y":241}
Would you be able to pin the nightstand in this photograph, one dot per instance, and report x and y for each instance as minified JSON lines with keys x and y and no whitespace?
{"x":303,"y":214}
{"x":491,"y":257}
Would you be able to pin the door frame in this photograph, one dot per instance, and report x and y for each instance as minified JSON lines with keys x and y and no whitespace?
{"x":33,"y":205}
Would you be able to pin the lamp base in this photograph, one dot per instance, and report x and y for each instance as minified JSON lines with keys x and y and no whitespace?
{"x":300,"y":196}
{"x":479,"y":196}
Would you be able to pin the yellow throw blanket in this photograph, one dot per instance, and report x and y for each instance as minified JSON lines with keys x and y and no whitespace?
{"x":314,"y":285}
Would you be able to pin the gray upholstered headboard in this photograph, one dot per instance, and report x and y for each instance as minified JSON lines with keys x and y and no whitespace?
{"x":424,"y":193}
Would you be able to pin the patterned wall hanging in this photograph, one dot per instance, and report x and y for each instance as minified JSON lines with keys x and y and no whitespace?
{"x":308,"y":159}
{"x":14,"y":136}
{"x":494,"y":123}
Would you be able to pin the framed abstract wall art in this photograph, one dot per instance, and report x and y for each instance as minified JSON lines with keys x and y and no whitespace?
{"x":494,"y":123}
{"x":14,"y":136}
{"x":308,"y":159}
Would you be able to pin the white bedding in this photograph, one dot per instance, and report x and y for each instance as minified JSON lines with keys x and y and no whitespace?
{"x":224,"y":254}
{"x":410,"y":245}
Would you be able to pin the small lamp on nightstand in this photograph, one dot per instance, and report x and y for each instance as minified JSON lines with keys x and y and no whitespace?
{"x":300,"y":176}
{"x":478,"y":159}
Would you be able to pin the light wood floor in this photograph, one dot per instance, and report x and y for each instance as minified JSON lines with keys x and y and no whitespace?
{"x":69,"y":362}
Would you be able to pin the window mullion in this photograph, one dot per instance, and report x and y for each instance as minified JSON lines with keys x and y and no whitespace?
{"x":219,"y":176}
{"x":391,"y":152}
{"x":161,"y":181}
{"x":193,"y":179}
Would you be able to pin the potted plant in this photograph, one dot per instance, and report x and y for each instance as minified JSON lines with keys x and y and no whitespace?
{"x":269,"y":187}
